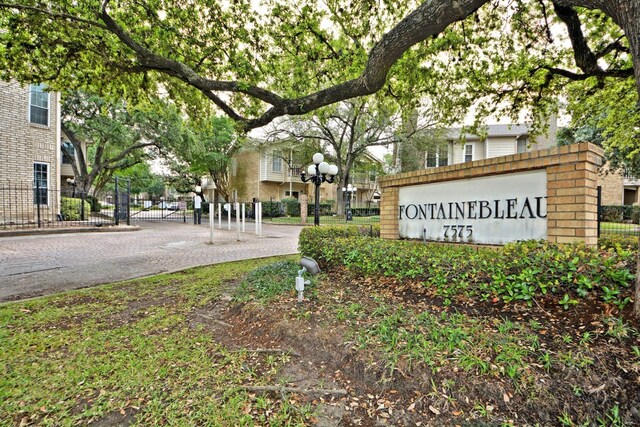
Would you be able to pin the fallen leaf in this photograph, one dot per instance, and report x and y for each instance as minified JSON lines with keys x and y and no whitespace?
{"x":434,"y":410}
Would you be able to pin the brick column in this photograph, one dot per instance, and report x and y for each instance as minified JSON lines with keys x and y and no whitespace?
{"x":304,"y":208}
{"x":389,"y":213}
{"x":573,"y":196}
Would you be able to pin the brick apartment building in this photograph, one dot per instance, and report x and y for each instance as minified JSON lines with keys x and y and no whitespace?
{"x":29,"y":150}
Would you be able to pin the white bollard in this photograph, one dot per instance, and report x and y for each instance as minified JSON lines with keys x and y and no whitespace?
{"x":212,"y":221}
{"x":219,"y":216}
{"x":229,"y":209}
{"x":243,"y":212}
{"x":260,"y":219}
{"x":237,"y":207}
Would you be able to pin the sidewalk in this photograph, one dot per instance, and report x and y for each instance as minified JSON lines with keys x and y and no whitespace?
{"x":40,"y":264}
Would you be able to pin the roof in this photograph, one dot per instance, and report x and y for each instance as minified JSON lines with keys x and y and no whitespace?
{"x":514,"y":130}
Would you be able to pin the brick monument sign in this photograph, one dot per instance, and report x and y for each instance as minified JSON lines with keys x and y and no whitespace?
{"x":547,"y":194}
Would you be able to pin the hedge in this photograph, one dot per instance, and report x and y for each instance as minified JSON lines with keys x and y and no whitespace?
{"x":70,"y":209}
{"x":620,"y":213}
{"x":312,"y":238}
{"x":291,"y":206}
{"x":518,"y":271}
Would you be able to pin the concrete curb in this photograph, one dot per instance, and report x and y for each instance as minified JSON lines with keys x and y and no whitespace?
{"x":67,"y":230}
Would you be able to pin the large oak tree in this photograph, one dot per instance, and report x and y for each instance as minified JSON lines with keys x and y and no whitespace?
{"x":258,"y":63}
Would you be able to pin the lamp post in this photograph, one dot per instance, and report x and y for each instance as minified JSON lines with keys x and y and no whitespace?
{"x":350,"y":190}
{"x":72,"y":183}
{"x":318,"y":172}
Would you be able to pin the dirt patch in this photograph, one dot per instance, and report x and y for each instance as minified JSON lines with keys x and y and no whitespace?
{"x":595,"y":376}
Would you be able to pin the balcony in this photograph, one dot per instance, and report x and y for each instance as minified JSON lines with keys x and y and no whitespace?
{"x":630,"y":180}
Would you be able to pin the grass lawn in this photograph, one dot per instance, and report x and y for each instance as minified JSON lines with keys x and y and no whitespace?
{"x":134,"y":352}
{"x":228,"y":345}
{"x":619,"y":228}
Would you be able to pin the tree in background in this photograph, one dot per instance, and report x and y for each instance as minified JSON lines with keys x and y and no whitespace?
{"x":117,"y":137}
{"x":141,"y":180}
{"x":343,"y":132}
{"x":206,"y":150}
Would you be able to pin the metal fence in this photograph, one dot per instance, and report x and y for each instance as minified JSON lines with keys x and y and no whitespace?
{"x":284,"y":212}
{"x":618,"y":219}
{"x":24,"y":206}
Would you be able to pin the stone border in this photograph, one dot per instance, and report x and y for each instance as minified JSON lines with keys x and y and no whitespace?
{"x":572,"y":175}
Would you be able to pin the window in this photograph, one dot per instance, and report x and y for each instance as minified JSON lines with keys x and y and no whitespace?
{"x":40,"y":184}
{"x":438,"y":156}
{"x":294,"y":194}
{"x":67,"y":147}
{"x":38,"y":105}
{"x":234,"y":167}
{"x":276,"y":161}
{"x":468,"y":153}
{"x":521,"y":144}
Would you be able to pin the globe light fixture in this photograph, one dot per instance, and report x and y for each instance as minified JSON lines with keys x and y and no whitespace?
{"x":319,"y":172}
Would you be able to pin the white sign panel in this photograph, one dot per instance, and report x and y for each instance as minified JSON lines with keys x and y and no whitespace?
{"x":491,"y":210}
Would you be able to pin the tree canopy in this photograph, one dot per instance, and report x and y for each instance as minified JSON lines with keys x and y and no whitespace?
{"x":345,"y":131}
{"x":258,"y":60}
{"x":116,"y":136}
{"x":206,"y":149}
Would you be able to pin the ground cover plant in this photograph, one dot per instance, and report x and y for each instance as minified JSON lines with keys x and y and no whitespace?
{"x":518,"y":271}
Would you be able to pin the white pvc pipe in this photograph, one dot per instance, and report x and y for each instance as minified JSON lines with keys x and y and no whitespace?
{"x":243,"y":212}
{"x":212,"y":221}
{"x":237,"y":207}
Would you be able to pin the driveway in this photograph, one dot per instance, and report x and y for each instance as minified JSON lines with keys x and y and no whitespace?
{"x":40,"y":265}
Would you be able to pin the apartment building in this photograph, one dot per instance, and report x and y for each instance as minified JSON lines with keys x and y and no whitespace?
{"x":29,"y":150}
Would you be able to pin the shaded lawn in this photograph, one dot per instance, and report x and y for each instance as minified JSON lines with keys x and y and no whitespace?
{"x":130,"y":353}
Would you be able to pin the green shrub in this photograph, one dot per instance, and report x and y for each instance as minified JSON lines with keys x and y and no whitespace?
{"x":621,"y":213}
{"x":325,"y":207}
{"x":617,"y":242}
{"x":71,"y":210}
{"x":612,"y":213}
{"x":311,"y":238}
{"x":272,"y":209}
{"x":635,"y":214}
{"x":267,"y":282}
{"x":94,"y":202}
{"x":291,"y":206}
{"x":516,"y":272}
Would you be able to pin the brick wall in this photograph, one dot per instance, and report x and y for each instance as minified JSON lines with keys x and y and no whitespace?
{"x":571,"y":172}
{"x":22,"y":144}
{"x":612,"y":183}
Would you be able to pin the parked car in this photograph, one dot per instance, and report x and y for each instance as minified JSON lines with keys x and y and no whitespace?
{"x":174,"y":206}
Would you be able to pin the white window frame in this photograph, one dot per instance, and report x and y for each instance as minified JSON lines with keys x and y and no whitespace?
{"x":464,"y":153}
{"x":39,"y":89}
{"x":36,"y":184}
{"x":276,"y":159}
{"x":63,"y":156}
{"x":520,"y":139}
{"x":438,"y":150}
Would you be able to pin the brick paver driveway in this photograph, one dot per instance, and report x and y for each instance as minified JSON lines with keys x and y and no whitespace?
{"x":40,"y":265}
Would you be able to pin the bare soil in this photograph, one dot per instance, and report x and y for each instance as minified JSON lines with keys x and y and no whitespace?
{"x":324,"y":356}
